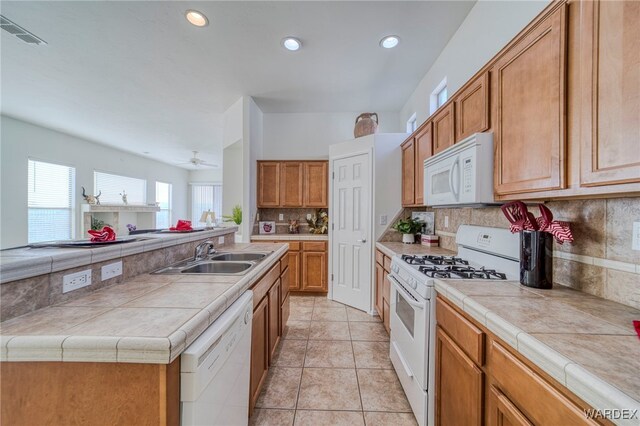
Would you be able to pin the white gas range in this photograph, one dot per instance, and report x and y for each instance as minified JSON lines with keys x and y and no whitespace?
{"x":483,"y":254}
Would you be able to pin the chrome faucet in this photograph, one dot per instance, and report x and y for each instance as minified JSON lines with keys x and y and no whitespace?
{"x":204,"y":249}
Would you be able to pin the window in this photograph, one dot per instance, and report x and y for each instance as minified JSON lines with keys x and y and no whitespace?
{"x":412,"y":124}
{"x":205,"y":197}
{"x":163,"y":197}
{"x":112,"y":185}
{"x":50,"y":201}
{"x":439,"y":96}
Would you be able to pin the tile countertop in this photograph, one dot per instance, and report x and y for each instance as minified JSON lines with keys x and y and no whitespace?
{"x":148,"y":319}
{"x":290,"y":237}
{"x":584,"y":342}
{"x":20,"y":263}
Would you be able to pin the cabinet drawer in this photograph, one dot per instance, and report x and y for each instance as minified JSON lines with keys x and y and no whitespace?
{"x":379,"y":258}
{"x":387,"y":264}
{"x":531,"y":394}
{"x":262,"y":287}
{"x":294,"y":245}
{"x":314,"y":245}
{"x":466,"y":335}
{"x":284,"y":262}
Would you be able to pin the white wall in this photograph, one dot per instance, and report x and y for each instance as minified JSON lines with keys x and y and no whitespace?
{"x":206,"y":175}
{"x":307,"y":136}
{"x":232,"y":123}
{"x":20,"y":141}
{"x":232,"y":177}
{"x":253,"y":151}
{"x":488,"y":27}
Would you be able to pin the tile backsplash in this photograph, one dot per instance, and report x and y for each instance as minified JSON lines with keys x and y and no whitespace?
{"x":282,"y":226}
{"x":600,"y":261}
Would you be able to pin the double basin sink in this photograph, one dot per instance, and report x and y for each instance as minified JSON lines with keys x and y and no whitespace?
{"x":217,"y":264}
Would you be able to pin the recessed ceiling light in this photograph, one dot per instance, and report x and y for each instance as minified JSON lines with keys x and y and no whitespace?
{"x":389,"y":42}
{"x":291,"y":43}
{"x":196,"y":18}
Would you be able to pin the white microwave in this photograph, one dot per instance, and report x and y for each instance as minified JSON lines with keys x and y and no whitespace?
{"x":461,"y":174}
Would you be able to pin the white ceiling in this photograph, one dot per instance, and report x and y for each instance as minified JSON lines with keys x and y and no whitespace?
{"x":137,"y":76}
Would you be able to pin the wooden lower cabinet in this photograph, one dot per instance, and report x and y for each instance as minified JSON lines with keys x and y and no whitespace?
{"x":259,"y":350}
{"x":505,"y":390}
{"x":383,"y":288}
{"x":314,"y":271}
{"x":378,"y":288}
{"x":459,"y":385}
{"x":274,"y":318}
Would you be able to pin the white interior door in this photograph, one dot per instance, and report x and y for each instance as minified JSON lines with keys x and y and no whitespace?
{"x":351,"y":240}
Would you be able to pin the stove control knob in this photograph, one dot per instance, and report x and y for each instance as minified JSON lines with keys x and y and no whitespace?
{"x":413,"y":283}
{"x":395,"y":268}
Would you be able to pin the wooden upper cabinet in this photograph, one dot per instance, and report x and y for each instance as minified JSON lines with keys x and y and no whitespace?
{"x":528,"y":89}
{"x":316,"y":182}
{"x":443,"y":128}
{"x":268,"y":184}
{"x":408,"y":173}
{"x":610,"y":65}
{"x":291,"y":180}
{"x":423,"y":150}
{"x":472,"y":108}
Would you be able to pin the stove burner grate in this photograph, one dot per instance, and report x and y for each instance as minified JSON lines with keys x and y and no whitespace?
{"x":433,"y":260}
{"x":462,"y":272}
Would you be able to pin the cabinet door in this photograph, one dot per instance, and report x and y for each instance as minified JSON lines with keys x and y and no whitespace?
{"x":274,"y":318}
{"x":408,"y":173}
{"x":314,"y":271}
{"x":294,"y":270}
{"x":443,"y":129}
{"x":268,"y":184}
{"x":259,"y":349}
{"x":423,"y":150}
{"x":291,"y":179}
{"x":502,"y":412}
{"x":285,"y":284}
{"x":611,"y":92}
{"x":529,"y":86}
{"x":472,"y":108}
{"x":386,"y":316}
{"x":459,"y":385}
{"x":316,"y":183}
{"x":286,"y":310}
{"x":379,"y":285}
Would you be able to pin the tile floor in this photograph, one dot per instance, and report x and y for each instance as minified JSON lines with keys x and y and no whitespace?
{"x":332,"y":368}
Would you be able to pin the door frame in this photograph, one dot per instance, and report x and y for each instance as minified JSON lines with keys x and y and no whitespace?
{"x":371,"y":228}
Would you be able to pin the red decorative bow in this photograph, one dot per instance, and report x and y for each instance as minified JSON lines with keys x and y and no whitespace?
{"x":182,"y":225}
{"x":105,"y":234}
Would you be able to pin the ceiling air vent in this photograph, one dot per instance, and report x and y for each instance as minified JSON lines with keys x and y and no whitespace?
{"x":16,"y":30}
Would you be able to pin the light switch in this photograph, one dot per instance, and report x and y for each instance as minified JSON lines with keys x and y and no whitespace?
{"x":635,"y":243}
{"x":280,"y":217}
{"x":221,"y":240}
{"x":383,"y":219}
{"x":308,"y":216}
{"x":446,"y":221}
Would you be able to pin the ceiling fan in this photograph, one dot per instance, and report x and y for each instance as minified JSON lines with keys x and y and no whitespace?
{"x":198,"y":162}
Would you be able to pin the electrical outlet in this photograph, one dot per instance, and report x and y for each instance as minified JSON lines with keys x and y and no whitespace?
{"x":383,"y":219}
{"x":221,"y":240}
{"x":308,"y":216}
{"x":281,"y":217}
{"x":446,"y":221}
{"x":76,"y":280}
{"x":635,"y":244}
{"x":111,"y":270}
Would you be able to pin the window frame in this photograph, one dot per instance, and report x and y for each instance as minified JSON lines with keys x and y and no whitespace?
{"x":412,"y":123}
{"x":434,"y":100}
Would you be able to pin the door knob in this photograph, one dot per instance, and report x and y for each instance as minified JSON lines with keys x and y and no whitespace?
{"x":364,"y":240}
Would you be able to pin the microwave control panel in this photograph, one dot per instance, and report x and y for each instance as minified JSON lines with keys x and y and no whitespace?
{"x":467,"y":175}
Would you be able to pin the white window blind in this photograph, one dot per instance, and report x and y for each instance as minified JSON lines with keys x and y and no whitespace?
{"x":112,"y":185}
{"x":163,"y":197}
{"x":205,"y":197}
{"x":50,"y":201}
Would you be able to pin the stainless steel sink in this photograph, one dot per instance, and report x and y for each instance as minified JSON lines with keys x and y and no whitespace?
{"x":224,"y":268}
{"x":239,"y":256}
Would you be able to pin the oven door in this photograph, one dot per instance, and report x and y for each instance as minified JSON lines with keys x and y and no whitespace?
{"x":409,"y":329}
{"x":442,"y":181}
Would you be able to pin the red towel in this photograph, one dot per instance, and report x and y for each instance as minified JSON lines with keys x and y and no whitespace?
{"x":636,"y":325}
{"x":182,"y":225}
{"x":105,"y":234}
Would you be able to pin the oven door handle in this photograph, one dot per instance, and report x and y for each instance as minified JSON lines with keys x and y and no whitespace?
{"x":404,"y":293}
{"x":407,"y":370}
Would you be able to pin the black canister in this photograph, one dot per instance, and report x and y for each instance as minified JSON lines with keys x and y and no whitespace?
{"x":536,"y":259}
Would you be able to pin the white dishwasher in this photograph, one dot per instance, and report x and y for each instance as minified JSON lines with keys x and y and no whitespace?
{"x":214,"y":378}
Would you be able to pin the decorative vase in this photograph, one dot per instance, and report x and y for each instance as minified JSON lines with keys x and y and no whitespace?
{"x":408,"y":238}
{"x":536,"y":259}
{"x":365,"y":124}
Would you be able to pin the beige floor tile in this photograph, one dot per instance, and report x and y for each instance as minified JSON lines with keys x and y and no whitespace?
{"x":329,"y":331}
{"x":302,"y":301}
{"x":381,"y":391}
{"x":328,"y":418}
{"x":323,"y":302}
{"x":280,"y":390}
{"x":336,"y":354}
{"x":329,"y":314}
{"x":368,"y":331}
{"x":389,"y":419}
{"x":329,"y":389}
{"x":356,"y":315}
{"x":301,"y":313}
{"x":372,"y":354}
{"x":271,"y":417}
{"x":298,"y":330}
{"x":290,"y":353}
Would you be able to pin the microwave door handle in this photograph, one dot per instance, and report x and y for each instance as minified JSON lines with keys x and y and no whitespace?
{"x":405,"y":295}
{"x":455,"y":167}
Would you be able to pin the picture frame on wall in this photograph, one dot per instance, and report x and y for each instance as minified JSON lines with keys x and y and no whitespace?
{"x":267,"y":227}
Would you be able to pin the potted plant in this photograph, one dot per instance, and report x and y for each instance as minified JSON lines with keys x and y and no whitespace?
{"x":408,"y":228}
{"x":236,"y":215}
